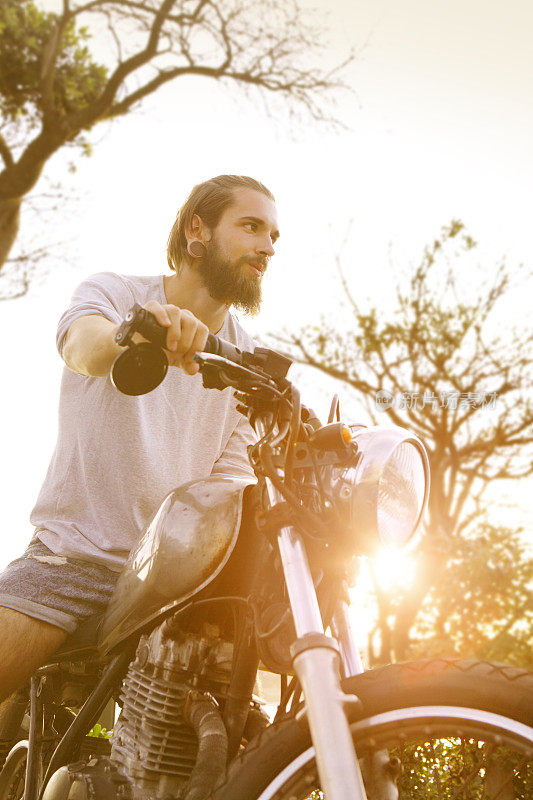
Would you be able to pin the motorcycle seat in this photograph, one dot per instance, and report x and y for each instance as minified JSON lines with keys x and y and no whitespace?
{"x":82,"y":643}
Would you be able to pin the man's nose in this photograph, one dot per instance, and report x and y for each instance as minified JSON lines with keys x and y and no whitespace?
{"x":266,"y":247}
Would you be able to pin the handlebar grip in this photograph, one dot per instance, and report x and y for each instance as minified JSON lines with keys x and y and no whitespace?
{"x":150,"y":328}
{"x":220,"y":347}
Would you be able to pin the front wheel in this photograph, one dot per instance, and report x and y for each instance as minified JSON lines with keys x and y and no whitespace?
{"x":462,"y":730}
{"x":12,"y":776}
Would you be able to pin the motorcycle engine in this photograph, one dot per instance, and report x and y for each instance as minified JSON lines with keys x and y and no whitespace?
{"x":152,"y":744}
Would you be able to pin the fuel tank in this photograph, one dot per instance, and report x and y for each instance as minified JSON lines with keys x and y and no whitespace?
{"x":184,"y":548}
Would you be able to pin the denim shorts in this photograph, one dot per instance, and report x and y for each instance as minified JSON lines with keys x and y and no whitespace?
{"x":58,"y":590}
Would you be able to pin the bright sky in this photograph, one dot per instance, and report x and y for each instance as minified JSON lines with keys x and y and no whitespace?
{"x":441,"y":127}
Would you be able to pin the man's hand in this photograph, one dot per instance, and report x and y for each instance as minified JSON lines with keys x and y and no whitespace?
{"x":90,"y":348}
{"x":186,"y":334}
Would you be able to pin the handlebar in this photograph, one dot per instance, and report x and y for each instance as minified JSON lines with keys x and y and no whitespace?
{"x":142,"y":367}
{"x":140,"y":320}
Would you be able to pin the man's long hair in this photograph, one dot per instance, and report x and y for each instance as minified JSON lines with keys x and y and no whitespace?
{"x":209,"y":200}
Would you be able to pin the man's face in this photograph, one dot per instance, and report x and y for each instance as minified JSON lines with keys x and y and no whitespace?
{"x":239,"y":250}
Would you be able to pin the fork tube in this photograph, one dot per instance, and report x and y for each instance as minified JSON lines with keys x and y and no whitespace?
{"x":352,"y":662}
{"x":299,"y":582}
{"x":316,"y":664}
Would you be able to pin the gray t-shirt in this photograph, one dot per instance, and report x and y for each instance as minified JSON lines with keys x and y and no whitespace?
{"x":117,"y":456}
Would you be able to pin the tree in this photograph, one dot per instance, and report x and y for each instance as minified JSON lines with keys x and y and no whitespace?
{"x":436,"y":365}
{"x":481,"y":603}
{"x":37,"y":253}
{"x":54,"y":90}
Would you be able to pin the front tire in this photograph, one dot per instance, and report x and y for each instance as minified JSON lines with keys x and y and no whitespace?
{"x":12,"y":777}
{"x":462,"y":729}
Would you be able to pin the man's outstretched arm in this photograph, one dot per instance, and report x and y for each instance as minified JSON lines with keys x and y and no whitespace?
{"x":89,"y":348}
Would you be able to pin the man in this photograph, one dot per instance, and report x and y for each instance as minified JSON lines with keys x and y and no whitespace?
{"x":118,"y":456}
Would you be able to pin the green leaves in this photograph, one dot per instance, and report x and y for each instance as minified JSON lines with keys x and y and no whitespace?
{"x":100,"y":733}
{"x":26,"y":40}
{"x":482,"y":604}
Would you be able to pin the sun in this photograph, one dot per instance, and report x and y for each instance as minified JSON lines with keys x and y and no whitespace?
{"x":394,"y":569}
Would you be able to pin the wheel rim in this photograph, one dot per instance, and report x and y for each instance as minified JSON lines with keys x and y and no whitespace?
{"x":12,"y":778}
{"x":15,"y":790}
{"x":447,"y":753}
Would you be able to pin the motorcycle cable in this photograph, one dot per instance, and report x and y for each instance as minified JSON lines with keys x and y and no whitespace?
{"x":325,"y":497}
{"x":233,"y":599}
{"x":250,"y":603}
{"x":295,"y":428}
{"x":261,"y":634}
{"x":270,"y":438}
{"x":304,"y":517}
{"x":299,"y":432}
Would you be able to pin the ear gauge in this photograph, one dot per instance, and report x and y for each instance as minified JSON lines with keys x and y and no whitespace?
{"x":196,"y":249}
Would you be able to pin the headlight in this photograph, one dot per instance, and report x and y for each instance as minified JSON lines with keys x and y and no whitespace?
{"x":383,"y":493}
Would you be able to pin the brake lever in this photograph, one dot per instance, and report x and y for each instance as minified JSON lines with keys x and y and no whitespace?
{"x":219,"y":373}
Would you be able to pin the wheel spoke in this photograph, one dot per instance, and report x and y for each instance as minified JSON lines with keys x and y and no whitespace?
{"x":461,"y":729}
{"x":436,"y":768}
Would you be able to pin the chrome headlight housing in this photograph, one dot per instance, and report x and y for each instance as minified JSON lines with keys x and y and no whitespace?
{"x":382,"y":494}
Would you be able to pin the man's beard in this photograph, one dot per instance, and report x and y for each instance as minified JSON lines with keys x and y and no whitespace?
{"x":230,"y":282}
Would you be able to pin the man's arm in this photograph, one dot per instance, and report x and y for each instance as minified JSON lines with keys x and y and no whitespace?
{"x":89,"y":347}
{"x":234,"y":461}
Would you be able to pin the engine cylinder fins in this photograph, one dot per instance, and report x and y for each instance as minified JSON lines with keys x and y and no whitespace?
{"x":151,"y":738}
{"x":166,"y":754}
{"x":130,"y":760}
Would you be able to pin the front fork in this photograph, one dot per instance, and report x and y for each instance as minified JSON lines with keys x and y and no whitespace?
{"x":317,"y":661}
{"x":317,"y":666}
{"x":380,"y":771}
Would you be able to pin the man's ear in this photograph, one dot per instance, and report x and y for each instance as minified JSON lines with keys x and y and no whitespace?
{"x":198,"y":230}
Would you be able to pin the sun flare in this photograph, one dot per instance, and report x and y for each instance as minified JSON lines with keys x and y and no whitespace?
{"x":394,"y":569}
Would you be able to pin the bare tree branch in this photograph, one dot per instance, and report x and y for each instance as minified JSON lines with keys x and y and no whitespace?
{"x":5,"y":152}
{"x":437,"y":343}
{"x":271,"y":45}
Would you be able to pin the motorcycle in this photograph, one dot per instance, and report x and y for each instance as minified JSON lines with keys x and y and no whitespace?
{"x":230,"y":579}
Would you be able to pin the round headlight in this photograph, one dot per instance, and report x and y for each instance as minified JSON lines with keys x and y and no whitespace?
{"x":401,"y":493}
{"x":383,"y":493}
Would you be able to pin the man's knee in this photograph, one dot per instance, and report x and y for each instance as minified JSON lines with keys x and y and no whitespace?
{"x":25,"y":644}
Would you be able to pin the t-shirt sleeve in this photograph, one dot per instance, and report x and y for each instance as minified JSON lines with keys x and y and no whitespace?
{"x":234,"y":459}
{"x":104,"y":293}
